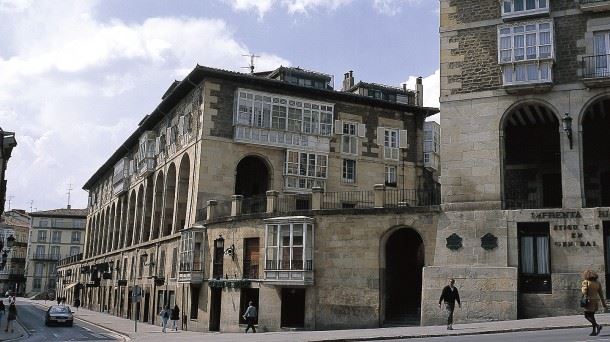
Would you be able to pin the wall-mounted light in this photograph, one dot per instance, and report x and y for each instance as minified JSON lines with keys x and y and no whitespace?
{"x":231,"y":251}
{"x":566,"y":122}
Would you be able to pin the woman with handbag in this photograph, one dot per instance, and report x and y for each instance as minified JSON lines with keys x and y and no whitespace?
{"x":592,"y":297}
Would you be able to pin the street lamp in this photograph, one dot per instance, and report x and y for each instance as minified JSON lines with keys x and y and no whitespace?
{"x":566,"y":122}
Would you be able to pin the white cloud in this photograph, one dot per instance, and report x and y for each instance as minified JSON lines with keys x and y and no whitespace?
{"x":13,"y":6}
{"x":432,"y":90}
{"x":387,"y":7}
{"x":73,"y":87}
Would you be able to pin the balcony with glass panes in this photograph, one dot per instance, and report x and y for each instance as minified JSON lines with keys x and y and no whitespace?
{"x":120,"y":179}
{"x":146,"y":153}
{"x":304,"y":171}
{"x":191,"y":267}
{"x":289,"y":251}
{"x":281,"y":121}
{"x":516,"y":9}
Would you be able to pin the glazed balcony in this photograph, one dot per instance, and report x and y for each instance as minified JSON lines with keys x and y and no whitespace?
{"x":594,"y":5}
{"x":596,"y":70}
{"x":279,"y":138}
{"x":191,"y":264}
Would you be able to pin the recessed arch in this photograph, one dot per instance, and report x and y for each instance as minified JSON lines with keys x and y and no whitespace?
{"x":148,"y":202}
{"x":170,"y":196}
{"x":108,"y":240}
{"x":139,"y":215}
{"x":131,"y":208}
{"x":184,"y":173}
{"x":158,"y":206}
{"x":594,"y":125}
{"x":530,"y":156}
{"x":402,"y":258}
{"x":252,"y":176}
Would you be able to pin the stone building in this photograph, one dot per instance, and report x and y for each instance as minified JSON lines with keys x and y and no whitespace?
{"x":54,"y":234}
{"x":14,"y":233}
{"x":7,"y":143}
{"x":274,"y":187}
{"x":525,"y":168}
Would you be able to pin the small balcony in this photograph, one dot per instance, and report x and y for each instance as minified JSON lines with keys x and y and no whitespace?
{"x":146,"y":166}
{"x":191,"y":266}
{"x":272,"y":137}
{"x":297,"y":272}
{"x":431,"y":160}
{"x":594,"y":5}
{"x":596,"y":70}
{"x":46,"y":257}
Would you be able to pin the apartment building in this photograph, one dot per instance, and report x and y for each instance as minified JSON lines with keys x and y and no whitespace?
{"x":222,"y":192}
{"x":7,"y":143}
{"x":54,"y":234}
{"x":525,"y":168}
{"x":14,"y":233}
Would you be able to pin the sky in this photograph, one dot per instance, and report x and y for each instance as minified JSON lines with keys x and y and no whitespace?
{"x":76,"y":77}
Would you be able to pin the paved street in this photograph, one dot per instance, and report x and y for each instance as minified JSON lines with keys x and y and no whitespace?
{"x":559,"y":335}
{"x":31,"y":318}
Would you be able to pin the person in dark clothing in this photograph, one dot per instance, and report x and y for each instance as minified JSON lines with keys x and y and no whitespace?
{"x":76,"y":303}
{"x":250,"y":316}
{"x":450,"y":295}
{"x":12,"y":316}
{"x":175,"y":317}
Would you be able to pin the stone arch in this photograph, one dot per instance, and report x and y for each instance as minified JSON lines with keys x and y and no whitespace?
{"x":148,"y":202}
{"x":131,"y":208}
{"x":253,"y":175}
{"x":184,"y":172}
{"x":139,"y":215}
{"x":402,"y":258}
{"x":108,"y":242}
{"x":170,"y":196}
{"x":117,"y":224}
{"x":593,"y":125}
{"x":158,"y":206}
{"x":530,"y":156}
{"x":123,"y":226}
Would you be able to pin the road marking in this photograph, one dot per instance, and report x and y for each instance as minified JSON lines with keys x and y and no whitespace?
{"x":86,"y":328}
{"x":56,"y":336}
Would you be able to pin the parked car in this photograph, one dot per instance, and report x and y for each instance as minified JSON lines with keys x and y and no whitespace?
{"x":59,"y":314}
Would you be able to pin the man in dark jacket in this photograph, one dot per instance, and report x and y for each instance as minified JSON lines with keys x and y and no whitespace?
{"x":450,"y":295}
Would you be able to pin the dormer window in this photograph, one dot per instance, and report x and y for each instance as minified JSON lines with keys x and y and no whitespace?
{"x":516,"y":8}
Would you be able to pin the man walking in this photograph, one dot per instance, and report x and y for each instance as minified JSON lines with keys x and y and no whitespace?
{"x":250,"y":316}
{"x":450,"y":295}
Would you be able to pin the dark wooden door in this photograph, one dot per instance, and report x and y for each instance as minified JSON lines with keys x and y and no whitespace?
{"x":251,"y":258}
{"x":293,"y":308}
{"x":215,"y":302}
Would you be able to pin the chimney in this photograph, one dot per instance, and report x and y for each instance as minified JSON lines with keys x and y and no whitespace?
{"x":348,"y":80}
{"x":419,"y":92}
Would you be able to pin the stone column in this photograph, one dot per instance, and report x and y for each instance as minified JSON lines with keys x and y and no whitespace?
{"x":272,"y":196}
{"x":379,"y":190}
{"x":211,"y":209}
{"x":316,"y":198}
{"x":571,"y":180}
{"x":236,"y":205}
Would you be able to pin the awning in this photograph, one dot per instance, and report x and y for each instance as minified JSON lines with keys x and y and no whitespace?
{"x":70,"y":286}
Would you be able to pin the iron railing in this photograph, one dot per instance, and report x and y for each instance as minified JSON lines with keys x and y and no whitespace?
{"x":288,"y":203}
{"x":52,"y":257}
{"x":254,"y":204}
{"x":348,"y":200}
{"x":250,"y":269}
{"x":597,"y":66}
{"x":396,"y":198}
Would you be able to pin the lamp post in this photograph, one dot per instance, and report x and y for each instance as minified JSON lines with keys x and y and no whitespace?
{"x":566,"y":122}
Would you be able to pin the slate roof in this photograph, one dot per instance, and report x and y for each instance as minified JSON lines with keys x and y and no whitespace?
{"x":66,"y":213}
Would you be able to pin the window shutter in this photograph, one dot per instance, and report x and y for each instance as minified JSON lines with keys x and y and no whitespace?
{"x":380,"y":135}
{"x":181,"y":129}
{"x":402,"y":139}
{"x":157,"y":145}
{"x":361,"y":130}
{"x":338,"y":127}
{"x":169,"y":135}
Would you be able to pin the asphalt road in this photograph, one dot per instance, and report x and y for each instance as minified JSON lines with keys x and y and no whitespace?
{"x":558,"y":335}
{"x":32,"y":318}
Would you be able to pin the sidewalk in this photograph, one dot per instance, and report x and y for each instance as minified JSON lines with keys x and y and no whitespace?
{"x":152,"y":333}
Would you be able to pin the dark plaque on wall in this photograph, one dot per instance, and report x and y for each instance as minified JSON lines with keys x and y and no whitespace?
{"x":454,"y":242}
{"x":489,"y":241}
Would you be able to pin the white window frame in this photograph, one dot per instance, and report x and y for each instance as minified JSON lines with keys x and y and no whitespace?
{"x":283,"y":113}
{"x":304,"y":170}
{"x":349,"y":137}
{"x":390,"y":144}
{"x":391,"y":175}
{"x":526,"y":52}
{"x":508,"y":8}
{"x":42,"y":236}
{"x":306,"y":252}
{"x":346,"y":177}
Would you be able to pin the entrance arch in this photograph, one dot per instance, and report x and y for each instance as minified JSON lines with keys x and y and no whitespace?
{"x":251,"y":177}
{"x":595,"y":152}
{"x":402,"y":274}
{"x":531,"y":157}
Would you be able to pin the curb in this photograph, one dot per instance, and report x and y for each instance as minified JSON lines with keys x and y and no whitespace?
{"x":25,"y":335}
{"x":466,"y":333}
{"x":126,"y":338}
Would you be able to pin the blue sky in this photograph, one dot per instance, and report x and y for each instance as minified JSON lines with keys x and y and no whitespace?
{"x":77,"y":76}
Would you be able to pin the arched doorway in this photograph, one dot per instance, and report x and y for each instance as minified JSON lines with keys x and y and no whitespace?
{"x":531,"y":158}
{"x":251,"y":177}
{"x":596,"y":153}
{"x":183,"y":192}
{"x":404,"y":261}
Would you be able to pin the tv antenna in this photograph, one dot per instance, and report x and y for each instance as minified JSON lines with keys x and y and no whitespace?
{"x":31,"y":205}
{"x":69,"y":191}
{"x":251,"y":66}
{"x":9,"y":200}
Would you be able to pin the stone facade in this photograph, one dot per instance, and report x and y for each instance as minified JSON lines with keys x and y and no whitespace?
{"x":479,"y":119}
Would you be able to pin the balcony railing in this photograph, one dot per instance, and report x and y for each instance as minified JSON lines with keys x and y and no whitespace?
{"x":48,"y":257}
{"x":530,"y":201}
{"x":348,"y":200}
{"x":250,"y":269}
{"x":595,"y":67}
{"x":411,"y":198}
{"x":254,"y":204}
{"x":289,"y":203}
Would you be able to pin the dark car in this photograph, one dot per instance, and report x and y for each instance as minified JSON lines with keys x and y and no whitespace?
{"x":59,"y":314}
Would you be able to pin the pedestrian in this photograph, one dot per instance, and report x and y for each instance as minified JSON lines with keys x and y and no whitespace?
{"x":58,"y":300}
{"x":592,"y":296}
{"x":77,"y":303}
{"x":250,"y":316}
{"x":2,"y":311}
{"x":164,"y":317}
{"x":450,"y":295}
{"x":175,"y":317}
{"x":12,"y":316}
{"x":63,"y":300}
